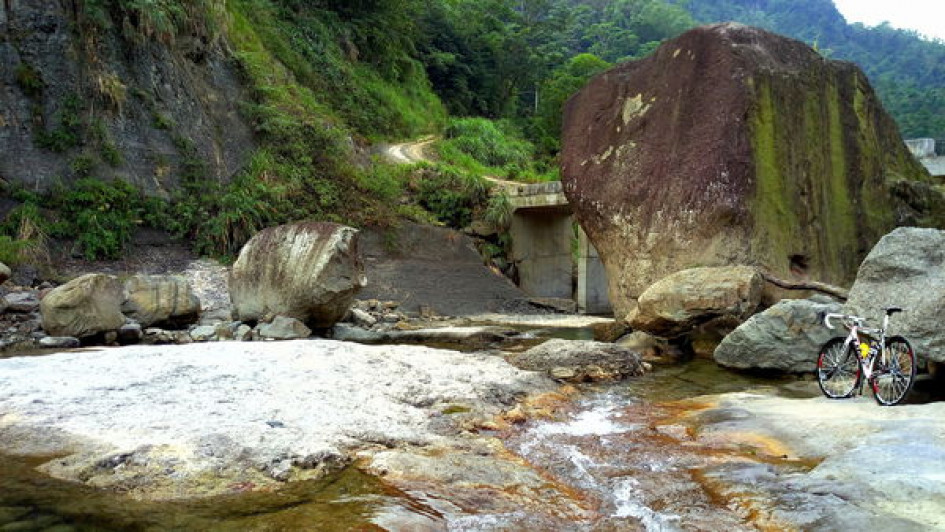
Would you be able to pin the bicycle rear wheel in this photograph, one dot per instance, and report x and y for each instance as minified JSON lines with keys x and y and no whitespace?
{"x":838,"y":369}
{"x":894,"y":374}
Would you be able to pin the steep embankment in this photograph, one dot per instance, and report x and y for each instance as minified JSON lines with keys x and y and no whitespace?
{"x":233,"y":111}
{"x":88,"y":92}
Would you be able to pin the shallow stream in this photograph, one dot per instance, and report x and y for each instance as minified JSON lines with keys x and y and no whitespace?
{"x":617,"y":449}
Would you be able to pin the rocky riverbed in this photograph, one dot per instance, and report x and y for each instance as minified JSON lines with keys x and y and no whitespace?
{"x":468,"y":442}
{"x":196,"y":420}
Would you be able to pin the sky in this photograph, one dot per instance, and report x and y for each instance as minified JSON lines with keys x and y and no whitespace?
{"x":924,"y":16}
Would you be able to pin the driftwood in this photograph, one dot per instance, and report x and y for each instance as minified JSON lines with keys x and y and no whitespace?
{"x":829,"y":289}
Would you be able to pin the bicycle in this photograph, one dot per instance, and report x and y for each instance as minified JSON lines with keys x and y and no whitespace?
{"x":888,"y":365}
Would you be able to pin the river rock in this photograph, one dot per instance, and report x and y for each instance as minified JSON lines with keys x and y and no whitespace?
{"x":23,"y":302}
{"x":5,"y":272}
{"x":906,"y":269}
{"x":203,"y":333}
{"x":724,"y":296}
{"x":363,"y":318}
{"x":786,"y":337}
{"x":869,"y":467}
{"x":59,"y":342}
{"x":310,"y":271}
{"x":84,"y":306}
{"x":731,"y":145}
{"x":190,"y":421}
{"x":475,"y":337}
{"x":580,"y":360}
{"x":160,"y":300}
{"x":130,"y":333}
{"x":283,"y":328}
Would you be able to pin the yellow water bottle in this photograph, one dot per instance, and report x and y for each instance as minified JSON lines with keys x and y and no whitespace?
{"x":864,"y":349}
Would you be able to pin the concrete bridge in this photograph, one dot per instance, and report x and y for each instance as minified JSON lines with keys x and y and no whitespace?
{"x":552,"y":251}
{"x":930,"y":153}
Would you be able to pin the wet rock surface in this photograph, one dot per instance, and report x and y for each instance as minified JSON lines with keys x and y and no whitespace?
{"x":866,"y":465}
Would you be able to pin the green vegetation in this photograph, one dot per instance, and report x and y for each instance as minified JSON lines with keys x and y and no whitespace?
{"x":68,"y":133}
{"x":324,"y":78}
{"x":29,"y":80}
{"x":907,"y":71}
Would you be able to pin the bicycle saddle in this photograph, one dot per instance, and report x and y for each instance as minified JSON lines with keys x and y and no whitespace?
{"x":892,"y":310}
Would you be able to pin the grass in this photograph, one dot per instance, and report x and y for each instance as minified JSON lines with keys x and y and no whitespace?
{"x":486,"y":147}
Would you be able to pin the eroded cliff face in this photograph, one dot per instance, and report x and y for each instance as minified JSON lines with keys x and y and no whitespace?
{"x":732,"y":145}
{"x":104,"y":94}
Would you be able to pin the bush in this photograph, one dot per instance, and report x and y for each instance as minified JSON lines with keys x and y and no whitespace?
{"x":451,"y":194}
{"x":493,"y":144}
{"x":99,"y":216}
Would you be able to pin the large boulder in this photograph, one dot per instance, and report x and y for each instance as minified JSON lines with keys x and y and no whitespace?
{"x":906,"y":269}
{"x":720,"y":297}
{"x":162,"y":300}
{"x":786,"y":337}
{"x":732,"y":145}
{"x":84,"y":306}
{"x":310,"y":271}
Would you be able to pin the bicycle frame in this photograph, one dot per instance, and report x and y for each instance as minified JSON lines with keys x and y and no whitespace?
{"x":856,"y":326}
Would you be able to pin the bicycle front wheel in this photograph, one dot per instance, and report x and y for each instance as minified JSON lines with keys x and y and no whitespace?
{"x":838,"y":369}
{"x":894,"y":372}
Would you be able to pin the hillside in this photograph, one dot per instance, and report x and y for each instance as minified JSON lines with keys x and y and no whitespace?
{"x":213,"y":119}
{"x":907,"y":70}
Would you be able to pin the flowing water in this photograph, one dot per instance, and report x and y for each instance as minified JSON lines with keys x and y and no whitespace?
{"x":621,"y":449}
{"x":629,"y":465}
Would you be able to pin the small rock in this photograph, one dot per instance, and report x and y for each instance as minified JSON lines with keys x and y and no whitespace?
{"x":203,"y":333}
{"x":563,"y":374}
{"x":362,"y":318}
{"x":284,"y":328}
{"x":243,"y":333}
{"x":579,"y":360}
{"x":130,"y":333}
{"x":22,"y":302}
{"x":59,"y":342}
{"x":224,"y":331}
{"x":281,"y":470}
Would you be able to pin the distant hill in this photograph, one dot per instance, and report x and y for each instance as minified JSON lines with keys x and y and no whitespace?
{"x":907,"y":70}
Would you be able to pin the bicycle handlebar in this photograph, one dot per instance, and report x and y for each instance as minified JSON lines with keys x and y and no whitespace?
{"x":855,"y":319}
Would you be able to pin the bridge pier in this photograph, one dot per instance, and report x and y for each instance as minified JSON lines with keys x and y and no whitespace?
{"x":541,"y":247}
{"x":553,"y":254}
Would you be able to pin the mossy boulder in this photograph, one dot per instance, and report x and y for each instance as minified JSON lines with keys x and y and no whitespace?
{"x":732,"y":145}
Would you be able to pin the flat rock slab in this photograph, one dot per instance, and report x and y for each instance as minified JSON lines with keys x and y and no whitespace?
{"x":873,"y":467}
{"x":187,"y":420}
